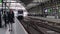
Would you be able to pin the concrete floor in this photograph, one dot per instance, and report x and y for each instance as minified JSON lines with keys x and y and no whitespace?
{"x":17,"y":28}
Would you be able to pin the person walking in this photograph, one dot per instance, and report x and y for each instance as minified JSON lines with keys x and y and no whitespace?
{"x":11,"y":19}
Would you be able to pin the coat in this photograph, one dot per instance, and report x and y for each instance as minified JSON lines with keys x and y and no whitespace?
{"x":11,"y":17}
{"x":5,"y":17}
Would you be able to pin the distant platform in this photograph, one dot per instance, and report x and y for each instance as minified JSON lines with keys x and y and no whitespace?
{"x":48,"y":19}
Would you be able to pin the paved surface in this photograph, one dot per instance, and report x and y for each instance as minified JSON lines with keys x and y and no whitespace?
{"x":17,"y":28}
{"x":2,"y":31}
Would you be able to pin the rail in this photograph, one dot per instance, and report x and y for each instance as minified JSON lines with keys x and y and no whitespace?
{"x":34,"y":23}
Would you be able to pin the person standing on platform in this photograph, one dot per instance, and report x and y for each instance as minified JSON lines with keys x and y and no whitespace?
{"x":11,"y":19}
{"x":5,"y":17}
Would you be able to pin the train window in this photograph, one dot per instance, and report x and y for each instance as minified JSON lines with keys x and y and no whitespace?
{"x":20,"y":11}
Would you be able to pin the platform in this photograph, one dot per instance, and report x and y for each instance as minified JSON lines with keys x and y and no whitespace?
{"x":17,"y":28}
{"x":48,"y":19}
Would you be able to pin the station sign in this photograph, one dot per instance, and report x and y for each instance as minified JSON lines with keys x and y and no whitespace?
{"x":49,"y":10}
{"x":59,"y":10}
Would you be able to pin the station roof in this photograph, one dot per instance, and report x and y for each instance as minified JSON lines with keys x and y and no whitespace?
{"x":32,"y":3}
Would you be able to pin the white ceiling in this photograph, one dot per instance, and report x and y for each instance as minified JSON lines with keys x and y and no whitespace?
{"x":13,"y":5}
{"x":31,"y":4}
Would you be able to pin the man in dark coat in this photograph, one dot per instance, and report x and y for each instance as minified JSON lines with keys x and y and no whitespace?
{"x":10,"y":19}
{"x":5,"y":17}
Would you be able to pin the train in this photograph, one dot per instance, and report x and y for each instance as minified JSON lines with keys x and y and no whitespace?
{"x":18,"y":9}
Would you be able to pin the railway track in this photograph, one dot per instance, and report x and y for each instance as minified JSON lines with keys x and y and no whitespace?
{"x":35,"y":26}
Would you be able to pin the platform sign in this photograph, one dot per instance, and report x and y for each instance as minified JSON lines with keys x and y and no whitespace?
{"x":49,"y":10}
{"x":59,"y":10}
{"x":0,"y":1}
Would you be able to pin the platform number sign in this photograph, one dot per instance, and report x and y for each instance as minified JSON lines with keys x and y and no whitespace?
{"x":0,"y":1}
